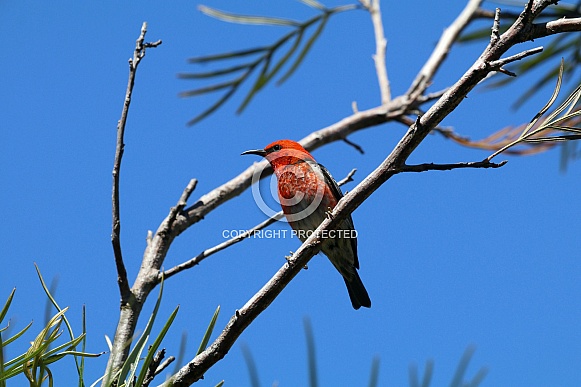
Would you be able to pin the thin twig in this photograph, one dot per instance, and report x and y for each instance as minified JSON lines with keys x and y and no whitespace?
{"x":153,"y":366}
{"x":380,"y":46}
{"x":448,"y":167}
{"x":497,"y":64}
{"x":495,"y":34}
{"x":556,"y":27}
{"x":138,"y":54}
{"x":357,"y":147}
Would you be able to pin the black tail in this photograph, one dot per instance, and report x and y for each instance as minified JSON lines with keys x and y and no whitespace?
{"x":357,"y":292}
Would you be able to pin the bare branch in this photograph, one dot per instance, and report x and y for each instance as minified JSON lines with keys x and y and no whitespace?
{"x":120,"y":348}
{"x":495,"y":35}
{"x":138,"y":54}
{"x":555,"y":27}
{"x":348,"y":178}
{"x":449,"y":167}
{"x":497,"y":64}
{"x":154,"y":366}
{"x":450,"y":35}
{"x":380,"y":45}
{"x":357,"y":147}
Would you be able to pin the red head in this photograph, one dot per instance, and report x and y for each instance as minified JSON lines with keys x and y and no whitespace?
{"x":282,"y":152}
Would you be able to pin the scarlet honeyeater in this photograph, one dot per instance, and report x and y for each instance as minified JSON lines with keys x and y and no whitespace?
{"x":307,"y":192}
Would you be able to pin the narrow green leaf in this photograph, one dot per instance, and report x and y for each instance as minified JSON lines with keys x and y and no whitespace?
{"x":457,"y":381}
{"x":570,"y":103}
{"x":128,"y":379}
{"x":313,"y":4}
{"x":548,"y":104}
{"x":211,"y":74}
{"x":258,"y":84}
{"x":83,"y":346}
{"x":305,"y":50}
{"x":209,"y":331}
{"x":569,"y":137}
{"x":285,"y":58}
{"x":7,"y":305}
{"x":228,"y":55}
{"x":153,"y":349}
{"x":478,"y":378}
{"x":212,"y":108}
{"x":181,"y":352}
{"x":480,"y":34}
{"x":209,"y":89}
{"x":428,"y":372}
{"x":69,"y":346}
{"x":17,"y":335}
{"x":109,"y":344}
{"x":538,"y":85}
{"x":133,"y":355}
{"x":251,"y":365}
{"x":51,"y":298}
{"x":311,"y":355}
{"x":220,"y":384}
{"x":564,"y":128}
{"x":52,"y":358}
{"x":97,"y":381}
{"x":246,"y":19}
{"x":2,"y":381}
{"x":374,"y":376}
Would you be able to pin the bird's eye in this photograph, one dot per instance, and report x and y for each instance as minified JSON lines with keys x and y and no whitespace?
{"x":276,"y":148}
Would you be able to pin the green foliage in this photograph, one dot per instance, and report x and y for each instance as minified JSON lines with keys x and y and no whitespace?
{"x":128,"y":375}
{"x":458,"y":379}
{"x":209,"y":331}
{"x":34,"y":363}
{"x":138,"y":370}
{"x":295,"y":43}
{"x":557,"y":126}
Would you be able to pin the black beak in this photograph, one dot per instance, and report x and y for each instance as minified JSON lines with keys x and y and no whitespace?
{"x":259,"y":152}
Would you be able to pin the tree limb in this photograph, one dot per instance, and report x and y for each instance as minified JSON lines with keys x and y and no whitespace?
{"x":121,"y":349}
{"x":138,"y":54}
{"x":448,"y":167}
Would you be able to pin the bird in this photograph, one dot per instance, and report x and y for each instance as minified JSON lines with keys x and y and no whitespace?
{"x":307,"y":193}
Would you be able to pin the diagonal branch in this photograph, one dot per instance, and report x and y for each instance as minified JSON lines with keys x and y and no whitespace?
{"x":138,"y":54}
{"x":232,"y":241}
{"x":449,"y":167}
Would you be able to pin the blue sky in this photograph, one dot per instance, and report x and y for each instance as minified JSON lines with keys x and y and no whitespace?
{"x":450,"y":259}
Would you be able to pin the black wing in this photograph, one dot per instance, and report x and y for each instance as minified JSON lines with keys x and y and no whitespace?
{"x":338,"y":195}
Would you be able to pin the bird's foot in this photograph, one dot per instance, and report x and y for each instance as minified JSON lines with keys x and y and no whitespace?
{"x":329,"y":213}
